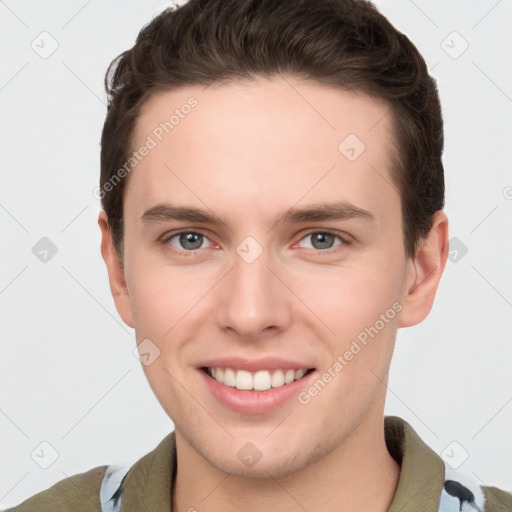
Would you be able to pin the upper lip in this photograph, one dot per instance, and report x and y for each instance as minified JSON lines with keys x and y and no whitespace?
{"x":253,"y":365}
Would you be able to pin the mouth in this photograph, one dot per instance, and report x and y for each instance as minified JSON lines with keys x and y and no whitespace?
{"x":254,"y":390}
{"x":261,"y":380}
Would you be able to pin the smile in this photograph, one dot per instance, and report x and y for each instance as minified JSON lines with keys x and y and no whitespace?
{"x":261,"y":380}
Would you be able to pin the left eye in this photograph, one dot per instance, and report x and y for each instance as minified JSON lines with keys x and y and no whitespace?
{"x":323,"y":240}
{"x":189,"y":240}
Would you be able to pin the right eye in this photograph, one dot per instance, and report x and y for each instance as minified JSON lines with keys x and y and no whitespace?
{"x":185,"y":242}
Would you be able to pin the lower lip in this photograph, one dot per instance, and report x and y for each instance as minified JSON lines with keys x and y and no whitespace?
{"x":255,"y":402}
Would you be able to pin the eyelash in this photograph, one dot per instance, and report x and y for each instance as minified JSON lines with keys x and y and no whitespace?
{"x":344,"y":241}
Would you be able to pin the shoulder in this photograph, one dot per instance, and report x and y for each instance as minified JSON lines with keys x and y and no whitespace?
{"x":140,"y":485}
{"x":497,"y":500}
{"x":463,"y":491}
{"x":428,"y":481}
{"x":78,"y":493}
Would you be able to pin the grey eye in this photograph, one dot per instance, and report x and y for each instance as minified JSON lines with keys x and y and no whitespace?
{"x":189,"y":241}
{"x":322,"y":240}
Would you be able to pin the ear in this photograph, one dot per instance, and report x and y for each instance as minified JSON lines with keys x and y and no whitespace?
{"x":115,"y":271}
{"x":425,"y":271}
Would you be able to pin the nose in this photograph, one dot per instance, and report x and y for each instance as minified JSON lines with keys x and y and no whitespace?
{"x":254,"y":302}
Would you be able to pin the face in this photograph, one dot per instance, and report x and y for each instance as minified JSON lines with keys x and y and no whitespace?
{"x":263,"y":248}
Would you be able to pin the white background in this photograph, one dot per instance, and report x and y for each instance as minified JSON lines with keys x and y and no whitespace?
{"x":68,"y":374}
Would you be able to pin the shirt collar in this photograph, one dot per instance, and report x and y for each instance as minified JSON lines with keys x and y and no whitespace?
{"x":421,"y":469}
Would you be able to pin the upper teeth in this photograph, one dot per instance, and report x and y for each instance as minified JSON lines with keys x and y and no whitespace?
{"x":258,"y":381}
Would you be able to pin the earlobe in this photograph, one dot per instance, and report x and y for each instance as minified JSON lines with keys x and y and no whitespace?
{"x":116,"y":277}
{"x":426,"y":269}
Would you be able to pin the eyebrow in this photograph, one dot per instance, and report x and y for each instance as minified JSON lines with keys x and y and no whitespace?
{"x":313,"y":213}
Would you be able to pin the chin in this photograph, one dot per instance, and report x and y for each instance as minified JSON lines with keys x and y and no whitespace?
{"x":262,"y":469}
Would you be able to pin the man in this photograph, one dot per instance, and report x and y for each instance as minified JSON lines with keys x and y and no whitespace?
{"x":296,"y":146}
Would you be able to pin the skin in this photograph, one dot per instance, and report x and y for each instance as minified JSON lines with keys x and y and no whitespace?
{"x":248,"y":153}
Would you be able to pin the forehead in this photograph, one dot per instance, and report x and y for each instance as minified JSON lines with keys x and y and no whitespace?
{"x":263,"y":142}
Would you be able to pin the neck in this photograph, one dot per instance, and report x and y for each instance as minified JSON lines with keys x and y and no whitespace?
{"x":358,"y":475}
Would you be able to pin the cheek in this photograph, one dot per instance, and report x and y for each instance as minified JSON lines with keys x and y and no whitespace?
{"x":166,"y":303}
{"x":164,"y":296}
{"x":348,"y":299}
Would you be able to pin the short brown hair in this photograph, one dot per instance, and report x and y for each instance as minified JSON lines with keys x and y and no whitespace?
{"x":343,"y":43}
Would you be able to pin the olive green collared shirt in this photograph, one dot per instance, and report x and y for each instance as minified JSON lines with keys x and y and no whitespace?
{"x":147,"y":483}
